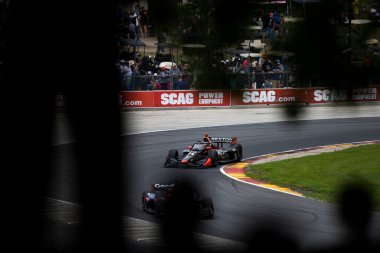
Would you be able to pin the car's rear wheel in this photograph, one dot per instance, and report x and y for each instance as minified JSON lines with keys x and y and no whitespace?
{"x":239,"y":153}
{"x":143,"y":205}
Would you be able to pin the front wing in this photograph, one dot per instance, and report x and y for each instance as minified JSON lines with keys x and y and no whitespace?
{"x":173,"y":163}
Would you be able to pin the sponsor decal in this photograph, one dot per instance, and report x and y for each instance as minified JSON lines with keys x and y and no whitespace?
{"x":177,"y":98}
{"x":364,"y":94}
{"x":272,"y":96}
{"x":133,"y":103}
{"x":163,"y":186}
{"x":136,"y":99}
{"x":210,"y":98}
{"x":259,"y":96}
{"x":217,"y":98}
{"x":221,"y":139}
{"x":328,"y":95}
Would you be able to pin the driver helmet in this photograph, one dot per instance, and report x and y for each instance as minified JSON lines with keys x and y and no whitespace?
{"x":206,"y":138}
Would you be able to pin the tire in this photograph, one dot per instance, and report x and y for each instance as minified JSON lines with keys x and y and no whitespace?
{"x":173,"y":154}
{"x":214,"y":157}
{"x":239,"y":152}
{"x":143,"y":201}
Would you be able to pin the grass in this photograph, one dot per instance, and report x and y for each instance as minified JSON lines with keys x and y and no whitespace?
{"x":322,"y":176}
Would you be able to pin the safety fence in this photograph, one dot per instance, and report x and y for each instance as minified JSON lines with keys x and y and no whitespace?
{"x":242,"y":79}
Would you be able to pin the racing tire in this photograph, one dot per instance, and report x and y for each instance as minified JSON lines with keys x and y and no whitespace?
{"x":214,"y":157}
{"x":143,"y":204}
{"x":239,"y":153}
{"x":207,"y":203}
{"x":172,"y":154}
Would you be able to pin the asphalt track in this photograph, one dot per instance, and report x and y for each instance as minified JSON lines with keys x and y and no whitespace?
{"x":238,"y":207}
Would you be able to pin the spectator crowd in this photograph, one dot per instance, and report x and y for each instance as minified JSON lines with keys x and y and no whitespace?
{"x":240,"y":70}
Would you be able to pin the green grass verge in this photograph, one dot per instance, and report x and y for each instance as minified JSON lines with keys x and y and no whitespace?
{"x":322,"y":176}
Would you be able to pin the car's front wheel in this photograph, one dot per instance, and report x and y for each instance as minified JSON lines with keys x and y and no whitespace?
{"x":214,"y":157}
{"x":171,"y":158}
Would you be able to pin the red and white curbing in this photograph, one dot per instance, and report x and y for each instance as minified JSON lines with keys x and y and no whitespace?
{"x":236,"y":170}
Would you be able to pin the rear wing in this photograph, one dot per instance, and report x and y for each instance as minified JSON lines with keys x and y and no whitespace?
{"x":232,"y":140}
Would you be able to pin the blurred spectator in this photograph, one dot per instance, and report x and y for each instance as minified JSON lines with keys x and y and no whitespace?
{"x":176,"y":74}
{"x":259,"y":77}
{"x":144,"y":22}
{"x":180,"y":84}
{"x":135,"y":76}
{"x":126,"y":74}
{"x":164,"y":79}
{"x":132,"y":30}
{"x":151,"y":81}
{"x":267,"y":25}
{"x":245,"y":65}
{"x":277,"y":76}
{"x":276,"y":24}
{"x":266,"y":65}
{"x":135,"y":20}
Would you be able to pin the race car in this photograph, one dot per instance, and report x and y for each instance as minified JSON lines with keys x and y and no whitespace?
{"x":156,"y":199}
{"x":206,"y":153}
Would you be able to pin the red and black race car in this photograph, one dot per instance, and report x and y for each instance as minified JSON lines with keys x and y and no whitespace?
{"x":207,"y":153}
{"x":157,"y":200}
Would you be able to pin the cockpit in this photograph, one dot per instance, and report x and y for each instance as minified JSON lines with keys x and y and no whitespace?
{"x":198,"y":147}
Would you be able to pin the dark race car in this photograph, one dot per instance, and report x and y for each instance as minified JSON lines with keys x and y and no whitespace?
{"x":207,"y":153}
{"x":155,"y":201}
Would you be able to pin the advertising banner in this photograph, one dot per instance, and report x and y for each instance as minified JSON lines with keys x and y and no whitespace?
{"x":191,"y":98}
{"x":365,"y":94}
{"x":136,"y":99}
{"x":268,"y":96}
{"x":328,"y":95}
{"x":226,"y":98}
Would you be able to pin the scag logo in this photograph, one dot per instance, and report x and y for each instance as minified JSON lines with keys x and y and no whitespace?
{"x":259,"y":96}
{"x":177,"y":99}
{"x":330,"y":95}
